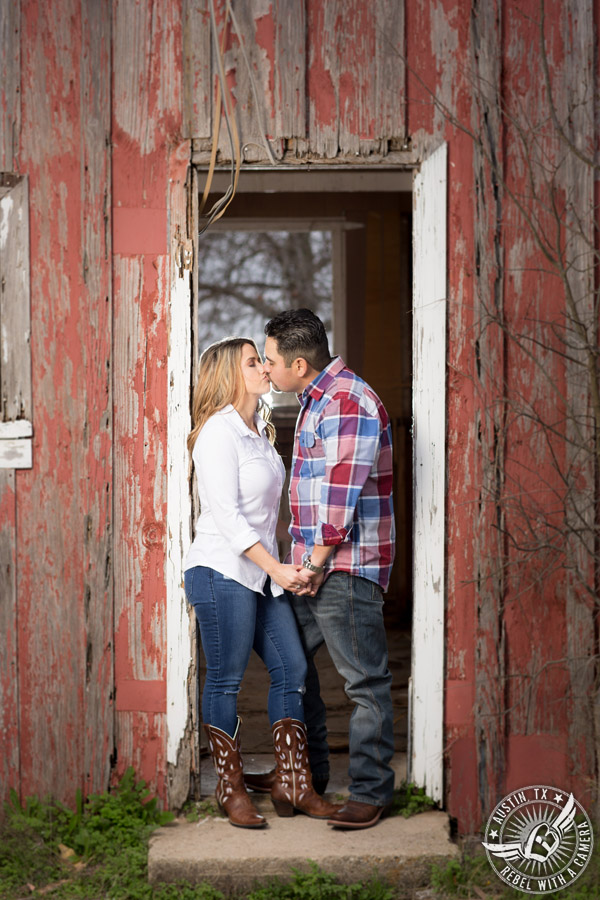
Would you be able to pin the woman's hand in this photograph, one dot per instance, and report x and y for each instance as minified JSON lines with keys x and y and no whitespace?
{"x":290,"y":578}
{"x":314,"y":583}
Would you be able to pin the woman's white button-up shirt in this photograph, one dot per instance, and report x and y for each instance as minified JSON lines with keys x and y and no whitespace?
{"x":240,"y":478}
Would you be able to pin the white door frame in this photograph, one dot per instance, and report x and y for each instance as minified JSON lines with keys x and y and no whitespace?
{"x":426,"y":691}
{"x":179,"y":503}
{"x":426,"y":708}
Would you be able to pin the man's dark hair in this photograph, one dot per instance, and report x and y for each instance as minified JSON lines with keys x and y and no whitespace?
{"x":298,"y":332}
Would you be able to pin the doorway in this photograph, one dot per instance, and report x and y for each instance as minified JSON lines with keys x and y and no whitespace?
{"x":428,"y":181}
{"x":347,"y":254}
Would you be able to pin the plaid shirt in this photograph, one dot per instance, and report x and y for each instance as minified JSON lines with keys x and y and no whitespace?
{"x":341,"y":482}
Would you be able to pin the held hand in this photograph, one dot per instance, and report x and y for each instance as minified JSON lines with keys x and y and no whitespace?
{"x":315,"y":582}
{"x":291,"y":578}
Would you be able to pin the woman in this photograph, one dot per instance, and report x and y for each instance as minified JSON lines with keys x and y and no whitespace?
{"x":236,"y":584}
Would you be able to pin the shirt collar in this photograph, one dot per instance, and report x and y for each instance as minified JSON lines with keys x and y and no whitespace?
{"x":323,"y":380}
{"x":239,"y":424}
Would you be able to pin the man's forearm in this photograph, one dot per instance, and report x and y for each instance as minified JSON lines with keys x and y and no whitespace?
{"x":318,"y":557}
{"x":320,"y":554}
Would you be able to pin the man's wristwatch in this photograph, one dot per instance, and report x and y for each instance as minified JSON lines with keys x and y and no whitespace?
{"x":306,"y":564}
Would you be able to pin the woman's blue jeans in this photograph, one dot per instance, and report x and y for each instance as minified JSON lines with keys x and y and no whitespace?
{"x":233,"y":620}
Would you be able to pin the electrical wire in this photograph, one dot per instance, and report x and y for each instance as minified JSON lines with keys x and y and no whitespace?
{"x":224,"y":103}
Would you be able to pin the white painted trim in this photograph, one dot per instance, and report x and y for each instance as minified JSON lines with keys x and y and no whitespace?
{"x":179,"y":510}
{"x":18,"y":428}
{"x":15,"y":444}
{"x":16,"y":453}
{"x":429,"y":456}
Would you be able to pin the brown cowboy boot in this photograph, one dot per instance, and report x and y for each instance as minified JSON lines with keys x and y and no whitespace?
{"x":230,"y":792}
{"x":293,"y":788}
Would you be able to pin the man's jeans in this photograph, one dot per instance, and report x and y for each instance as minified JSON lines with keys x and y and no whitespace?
{"x":233,"y":619}
{"x":347,"y":614}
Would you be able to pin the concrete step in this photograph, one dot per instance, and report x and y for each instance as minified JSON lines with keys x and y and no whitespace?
{"x":235,"y":859}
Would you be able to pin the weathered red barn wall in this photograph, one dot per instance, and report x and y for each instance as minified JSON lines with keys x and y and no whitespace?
{"x":109,"y":94}
{"x":519,"y":705}
{"x":63,"y":581}
{"x":94,"y":121}
{"x":551,"y":628}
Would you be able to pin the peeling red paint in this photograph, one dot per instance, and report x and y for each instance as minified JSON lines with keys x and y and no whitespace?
{"x":265,"y":38}
{"x":141,"y":696}
{"x":137,"y":231}
{"x":459,"y":700}
{"x":320,"y":86}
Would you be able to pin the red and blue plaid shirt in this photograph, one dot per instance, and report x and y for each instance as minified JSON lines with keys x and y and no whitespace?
{"x":341,"y":482}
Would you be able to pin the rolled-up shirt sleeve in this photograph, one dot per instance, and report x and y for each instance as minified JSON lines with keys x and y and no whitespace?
{"x":215,"y":454}
{"x":351,"y":441}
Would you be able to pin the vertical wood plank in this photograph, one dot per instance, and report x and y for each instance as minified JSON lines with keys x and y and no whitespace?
{"x":389,"y":96}
{"x":139,"y":477}
{"x":10,"y":81}
{"x":323,"y":80}
{"x":139,"y":519}
{"x":49,"y":523}
{"x":97,"y":624}
{"x":490,"y":650}
{"x":429,"y":443}
{"x":197,"y":72}
{"x":575,"y":109}
{"x":290,"y":71}
{"x":356,"y":48}
{"x":9,"y":683}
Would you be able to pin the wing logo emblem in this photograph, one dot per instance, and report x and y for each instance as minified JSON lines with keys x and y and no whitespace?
{"x":539,"y":839}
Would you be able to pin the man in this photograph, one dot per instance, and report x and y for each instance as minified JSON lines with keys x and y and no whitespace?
{"x":342,"y":530}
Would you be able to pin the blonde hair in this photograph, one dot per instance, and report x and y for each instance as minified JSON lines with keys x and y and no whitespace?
{"x":220,"y":382}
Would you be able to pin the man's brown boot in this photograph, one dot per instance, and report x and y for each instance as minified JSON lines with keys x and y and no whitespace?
{"x":293,"y":788}
{"x":359,"y":815}
{"x":261,"y":782}
{"x":230,"y":792}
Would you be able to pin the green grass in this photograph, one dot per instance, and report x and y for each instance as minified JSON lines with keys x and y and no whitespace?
{"x":410,"y":800}
{"x":99,"y":851}
{"x":195,"y":810}
{"x":319,"y":885}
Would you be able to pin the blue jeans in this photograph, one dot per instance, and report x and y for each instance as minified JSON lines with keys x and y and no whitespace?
{"x":233,"y":620}
{"x":347,"y":614}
